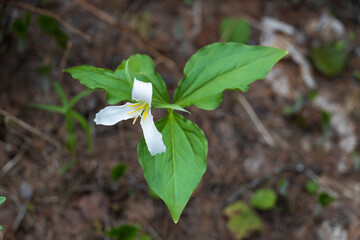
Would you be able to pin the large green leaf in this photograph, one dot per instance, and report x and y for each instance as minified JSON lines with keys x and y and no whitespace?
{"x":142,"y":68}
{"x":116,"y":83}
{"x":175,"y":174}
{"x":221,"y":66}
{"x":117,"y":89}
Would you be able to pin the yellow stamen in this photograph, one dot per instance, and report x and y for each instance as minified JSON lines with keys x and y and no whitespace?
{"x":145,"y":113}
{"x":134,"y":105}
{"x":135,"y":119}
{"x":138,"y":108}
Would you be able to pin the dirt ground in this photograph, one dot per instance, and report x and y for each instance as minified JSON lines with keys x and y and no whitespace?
{"x":84,"y":202}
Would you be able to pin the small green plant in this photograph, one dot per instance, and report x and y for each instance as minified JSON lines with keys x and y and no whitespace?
{"x":283,"y":185}
{"x":51,"y":27}
{"x":263,"y":199}
{"x":173,"y":150}
{"x":330,"y":59}
{"x":325,"y":123}
{"x":45,"y":69}
{"x":127,"y":232}
{"x":2,"y":200}
{"x":21,"y":25}
{"x":70,"y":117}
{"x":118,"y":171}
{"x":311,"y":187}
{"x":242,"y":220}
{"x":296,"y":108}
{"x":235,"y":30}
{"x":325,"y":199}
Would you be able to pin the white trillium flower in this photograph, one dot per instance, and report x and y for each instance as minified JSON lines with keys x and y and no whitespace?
{"x":142,"y":93}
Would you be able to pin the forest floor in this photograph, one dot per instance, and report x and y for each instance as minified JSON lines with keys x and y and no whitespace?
{"x":318,"y":141}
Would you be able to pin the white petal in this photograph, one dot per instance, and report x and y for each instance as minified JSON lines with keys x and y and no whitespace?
{"x":153,"y":137}
{"x":142,"y":91}
{"x":113,"y":114}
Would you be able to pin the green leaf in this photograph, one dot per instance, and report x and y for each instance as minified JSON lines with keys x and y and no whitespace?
{"x":311,"y":187}
{"x":66,"y":167}
{"x":325,"y":199}
{"x":242,"y":220}
{"x":75,"y":99}
{"x":145,"y":236}
{"x":283,"y":185}
{"x":45,"y":70}
{"x":51,"y":27}
{"x":330,"y":59}
{"x":118,"y":171}
{"x":2,"y":199}
{"x":50,"y":108}
{"x":175,"y":174}
{"x":235,"y":30}
{"x":60,"y":91}
{"x":325,"y":122}
{"x":1,"y":228}
{"x":142,"y":68}
{"x":123,"y":232}
{"x":263,"y":199}
{"x":168,"y":106}
{"x":117,"y":88}
{"x":20,"y":26}
{"x":86,"y":127}
{"x":222,"y":66}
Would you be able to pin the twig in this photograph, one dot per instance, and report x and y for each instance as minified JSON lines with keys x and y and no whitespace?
{"x":52,"y":15}
{"x":139,"y":40}
{"x":255,"y":120}
{"x":152,"y":231}
{"x":29,"y":128}
{"x":14,"y":161}
{"x":197,"y":16}
{"x":64,"y":59}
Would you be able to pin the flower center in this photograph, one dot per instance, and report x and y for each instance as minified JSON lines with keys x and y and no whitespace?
{"x":141,"y":110}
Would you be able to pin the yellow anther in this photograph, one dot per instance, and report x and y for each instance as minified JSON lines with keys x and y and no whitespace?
{"x":145,"y":113}
{"x":138,"y":108}
{"x":134,"y":105}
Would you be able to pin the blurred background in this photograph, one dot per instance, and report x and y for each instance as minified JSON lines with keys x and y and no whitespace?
{"x":283,"y":159}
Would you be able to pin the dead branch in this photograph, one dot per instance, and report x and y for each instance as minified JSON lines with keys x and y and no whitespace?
{"x":139,"y":40}
{"x":64,"y":59}
{"x":52,"y":15}
{"x":256,"y":121}
{"x":29,"y":128}
{"x":15,"y":160}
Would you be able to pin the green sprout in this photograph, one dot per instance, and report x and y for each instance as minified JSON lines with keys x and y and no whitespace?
{"x":70,"y":117}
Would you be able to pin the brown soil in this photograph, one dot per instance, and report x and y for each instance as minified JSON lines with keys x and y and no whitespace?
{"x":83,"y":202}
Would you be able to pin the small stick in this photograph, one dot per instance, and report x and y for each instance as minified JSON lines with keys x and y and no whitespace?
{"x":15,"y":160}
{"x":29,"y":128}
{"x":64,"y":59}
{"x":52,"y":15}
{"x":138,"y":39}
{"x":256,"y":121}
